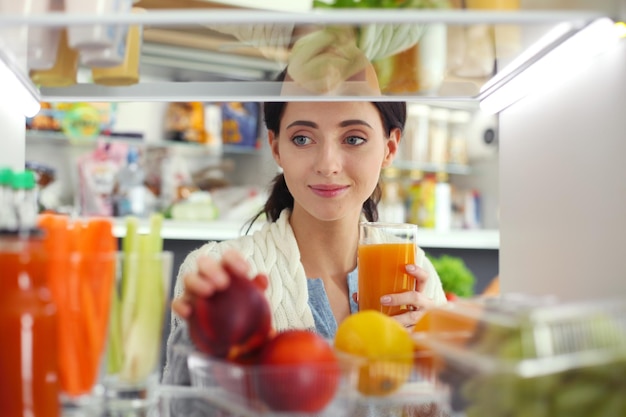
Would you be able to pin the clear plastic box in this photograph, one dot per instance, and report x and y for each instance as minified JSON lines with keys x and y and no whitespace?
{"x":234,"y":388}
{"x":522,"y":356}
{"x":289,"y":390}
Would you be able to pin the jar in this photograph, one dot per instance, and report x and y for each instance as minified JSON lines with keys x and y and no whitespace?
{"x":28,"y":357}
{"x":439,"y":118}
{"x":458,"y":125}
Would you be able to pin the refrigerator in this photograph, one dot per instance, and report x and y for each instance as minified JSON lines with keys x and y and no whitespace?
{"x":562,"y":208}
{"x":560,"y":105}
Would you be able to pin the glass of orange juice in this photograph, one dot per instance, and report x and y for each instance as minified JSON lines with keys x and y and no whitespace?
{"x":384,"y":251}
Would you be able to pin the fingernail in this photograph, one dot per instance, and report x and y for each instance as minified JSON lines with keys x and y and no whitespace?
{"x":411,"y":268}
{"x":385,"y":299}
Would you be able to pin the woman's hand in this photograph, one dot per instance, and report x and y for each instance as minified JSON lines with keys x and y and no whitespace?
{"x":416,"y":300}
{"x":211,"y":276}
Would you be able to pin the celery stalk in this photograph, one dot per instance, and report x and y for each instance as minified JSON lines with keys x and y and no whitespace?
{"x":156,"y":224}
{"x":129,"y":284}
{"x":114,"y":351}
{"x":143,"y":341}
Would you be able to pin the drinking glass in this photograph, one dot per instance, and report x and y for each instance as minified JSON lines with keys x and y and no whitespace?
{"x":384,"y":251}
{"x":131,"y":371}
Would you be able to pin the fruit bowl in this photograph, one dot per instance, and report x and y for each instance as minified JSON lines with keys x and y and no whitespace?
{"x":516,"y":356}
{"x":278,"y":390}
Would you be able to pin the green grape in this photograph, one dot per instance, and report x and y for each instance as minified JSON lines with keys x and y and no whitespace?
{"x":613,"y":406}
{"x":497,"y":391}
{"x":533,"y":409}
{"x":577,"y":394}
{"x":540,"y":387}
{"x":483,"y":410}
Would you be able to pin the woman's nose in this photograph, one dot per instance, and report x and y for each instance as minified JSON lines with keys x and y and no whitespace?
{"x":328,"y":161}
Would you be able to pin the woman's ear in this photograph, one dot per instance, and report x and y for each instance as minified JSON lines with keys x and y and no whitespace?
{"x":391,"y":147}
{"x":272,"y":140}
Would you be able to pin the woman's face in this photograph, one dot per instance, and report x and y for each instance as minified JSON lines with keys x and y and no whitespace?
{"x":331,"y":154}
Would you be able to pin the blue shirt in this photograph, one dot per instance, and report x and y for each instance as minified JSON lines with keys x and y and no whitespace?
{"x":325,"y":323}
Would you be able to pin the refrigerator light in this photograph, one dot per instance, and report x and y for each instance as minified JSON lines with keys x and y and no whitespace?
{"x":554,"y":67}
{"x":15,"y":94}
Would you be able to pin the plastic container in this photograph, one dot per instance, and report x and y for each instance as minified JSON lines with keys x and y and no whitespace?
{"x":519,"y":356}
{"x":64,"y":69}
{"x":443,"y":203}
{"x":231,"y":387}
{"x":130,"y":198}
{"x":127,"y":72}
{"x":236,"y":386}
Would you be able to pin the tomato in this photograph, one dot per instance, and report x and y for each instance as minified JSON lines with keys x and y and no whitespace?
{"x":450,"y":296}
{"x":298,"y":371}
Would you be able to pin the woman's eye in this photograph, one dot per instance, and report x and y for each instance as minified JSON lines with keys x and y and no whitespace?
{"x":354,"y":140}
{"x":301,"y":140}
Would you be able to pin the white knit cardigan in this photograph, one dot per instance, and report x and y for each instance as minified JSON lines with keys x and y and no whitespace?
{"x":272,"y":250}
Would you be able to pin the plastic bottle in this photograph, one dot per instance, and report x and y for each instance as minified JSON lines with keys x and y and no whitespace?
{"x":427,"y":210}
{"x":414,"y":196}
{"x":392,"y":208}
{"x":8,"y":219}
{"x":29,"y":382}
{"x":443,"y":203}
{"x":131,"y":192}
{"x":25,"y":200}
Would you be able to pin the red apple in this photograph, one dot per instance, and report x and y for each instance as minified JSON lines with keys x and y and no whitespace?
{"x":298,"y":371}
{"x":232,"y":322}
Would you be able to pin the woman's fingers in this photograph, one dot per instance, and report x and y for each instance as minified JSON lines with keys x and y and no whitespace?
{"x":355,"y":297}
{"x":211,"y":276}
{"x":421,"y":276}
{"x":415,"y":300}
{"x":181,"y":307}
{"x":235,"y":264}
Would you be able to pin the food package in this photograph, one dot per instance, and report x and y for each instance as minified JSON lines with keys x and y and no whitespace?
{"x":97,"y":172}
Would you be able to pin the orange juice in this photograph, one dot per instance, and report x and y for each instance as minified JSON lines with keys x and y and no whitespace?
{"x":382,"y":271}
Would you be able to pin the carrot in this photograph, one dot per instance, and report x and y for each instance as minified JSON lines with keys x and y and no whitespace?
{"x":57,"y":244}
{"x":98,"y":280}
{"x":79,"y":333}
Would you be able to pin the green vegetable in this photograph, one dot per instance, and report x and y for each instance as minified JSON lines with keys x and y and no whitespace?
{"x":139,"y":306}
{"x":455,"y":277}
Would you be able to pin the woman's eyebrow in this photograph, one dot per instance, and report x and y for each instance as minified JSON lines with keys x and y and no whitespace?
{"x":346,"y":123}
{"x":314,"y":125}
{"x":303,"y":123}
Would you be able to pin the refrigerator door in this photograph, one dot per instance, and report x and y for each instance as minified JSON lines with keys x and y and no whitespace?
{"x":563,"y":185}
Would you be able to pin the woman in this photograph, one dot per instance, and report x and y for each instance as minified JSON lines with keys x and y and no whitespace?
{"x":331,"y":155}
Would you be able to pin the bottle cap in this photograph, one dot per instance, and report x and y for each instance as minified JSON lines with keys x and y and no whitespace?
{"x":24,"y":180}
{"x":6,"y":174}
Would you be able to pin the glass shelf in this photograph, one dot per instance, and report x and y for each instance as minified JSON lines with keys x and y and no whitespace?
{"x":236,"y":54}
{"x":42,"y":137}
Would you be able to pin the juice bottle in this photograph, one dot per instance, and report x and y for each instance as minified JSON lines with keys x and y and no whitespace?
{"x":28,"y":356}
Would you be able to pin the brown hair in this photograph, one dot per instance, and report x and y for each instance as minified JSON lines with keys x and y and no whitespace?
{"x":393,"y":116}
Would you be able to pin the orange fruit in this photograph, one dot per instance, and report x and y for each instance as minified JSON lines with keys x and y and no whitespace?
{"x":450,"y":324}
{"x":383,"y":348}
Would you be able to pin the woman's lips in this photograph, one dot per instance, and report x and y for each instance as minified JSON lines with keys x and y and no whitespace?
{"x":328,"y":191}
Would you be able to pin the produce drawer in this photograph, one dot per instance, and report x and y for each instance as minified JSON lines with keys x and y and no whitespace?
{"x":511,"y":356}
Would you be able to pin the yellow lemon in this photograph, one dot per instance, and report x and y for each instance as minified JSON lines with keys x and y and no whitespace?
{"x":385,"y":346}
